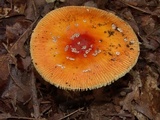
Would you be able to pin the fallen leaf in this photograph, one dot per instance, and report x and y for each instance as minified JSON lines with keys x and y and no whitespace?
{"x":18,"y":47}
{"x":90,"y":4}
{"x":4,"y":71}
{"x":34,"y":9}
{"x":136,"y":2}
{"x":127,"y":14}
{"x":75,"y":2}
{"x":4,"y":12}
{"x":106,"y":112}
{"x":24,"y":63}
{"x":148,"y":102}
{"x":47,"y":8}
{"x":5,"y":116}
{"x":147,"y":23}
{"x":31,"y":11}
{"x":2,"y":32}
{"x":19,"y":7}
{"x":154,"y":58}
{"x":13,"y":32}
{"x":18,"y":88}
{"x":143,"y":101}
{"x":50,"y":1}
{"x":102,"y":3}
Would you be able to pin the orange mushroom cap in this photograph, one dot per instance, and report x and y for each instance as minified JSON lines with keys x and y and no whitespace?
{"x":80,"y":48}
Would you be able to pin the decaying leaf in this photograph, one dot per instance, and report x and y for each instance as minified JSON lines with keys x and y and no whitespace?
{"x":15,"y":31}
{"x":154,"y":58}
{"x":18,"y":47}
{"x":21,"y":99}
{"x":143,"y":100}
{"x":4,"y":12}
{"x":4,"y":71}
{"x":50,"y":1}
{"x":147,"y":23}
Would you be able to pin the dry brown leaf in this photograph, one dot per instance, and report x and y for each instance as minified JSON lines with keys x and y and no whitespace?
{"x":20,"y":8}
{"x":18,"y":47}
{"x":13,"y":32}
{"x":106,"y":112}
{"x":102,"y":3}
{"x":4,"y":72}
{"x":90,"y":4}
{"x":75,"y":2}
{"x":127,"y":14}
{"x":147,"y":23}
{"x":34,"y":8}
{"x":47,"y":8}
{"x":136,"y":2}
{"x":143,"y":101}
{"x":4,"y":12}
{"x":2,"y":32}
{"x":148,"y":102}
{"x":17,"y":7}
{"x":154,"y":58}
{"x":138,"y":103}
{"x":5,"y":116}
{"x":26,"y":62}
{"x":18,"y":88}
{"x":127,"y":102}
{"x":5,"y":60}
{"x":56,"y":116}
{"x":50,"y":1}
{"x":30,"y":13}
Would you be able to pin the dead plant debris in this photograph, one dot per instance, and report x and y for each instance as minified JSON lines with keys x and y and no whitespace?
{"x":25,"y":95}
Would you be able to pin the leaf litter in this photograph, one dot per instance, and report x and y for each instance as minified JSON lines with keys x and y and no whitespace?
{"x":25,"y":95}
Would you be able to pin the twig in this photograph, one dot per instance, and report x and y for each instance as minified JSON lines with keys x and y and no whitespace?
{"x":22,"y":39}
{"x":9,"y":116}
{"x":27,"y":101}
{"x":10,"y":73}
{"x":122,"y":115}
{"x":9,"y":52}
{"x":34,"y":7}
{"x":46,"y":109}
{"x":21,"y":86}
{"x":155,"y":30}
{"x":78,"y":110}
{"x":34,"y":96}
{"x":25,"y":118}
{"x":139,"y":9}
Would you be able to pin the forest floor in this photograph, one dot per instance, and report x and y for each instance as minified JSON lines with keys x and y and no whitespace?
{"x":25,"y":95}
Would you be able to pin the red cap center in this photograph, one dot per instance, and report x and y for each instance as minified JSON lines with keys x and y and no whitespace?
{"x":80,"y":45}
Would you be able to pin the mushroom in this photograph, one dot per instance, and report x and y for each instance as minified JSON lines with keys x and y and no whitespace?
{"x":80,"y":48}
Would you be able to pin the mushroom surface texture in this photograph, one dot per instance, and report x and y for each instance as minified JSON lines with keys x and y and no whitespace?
{"x":81,"y":48}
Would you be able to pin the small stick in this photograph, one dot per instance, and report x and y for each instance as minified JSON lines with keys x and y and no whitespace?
{"x":139,"y":9}
{"x":34,"y":96}
{"x":72,"y":113}
{"x":9,"y":116}
{"x":122,"y":115}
